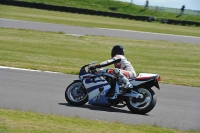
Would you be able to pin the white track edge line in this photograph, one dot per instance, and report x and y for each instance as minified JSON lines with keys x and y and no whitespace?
{"x":108,"y":29}
{"x":150,"y":32}
{"x":24,"y":69}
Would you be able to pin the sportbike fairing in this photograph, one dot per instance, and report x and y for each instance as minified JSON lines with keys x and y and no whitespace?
{"x":97,"y":88}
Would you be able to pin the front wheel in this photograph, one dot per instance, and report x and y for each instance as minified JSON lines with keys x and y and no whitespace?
{"x":75,"y":94}
{"x":142,"y":105}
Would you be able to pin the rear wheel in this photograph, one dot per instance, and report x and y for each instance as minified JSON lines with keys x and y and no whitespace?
{"x":142,"y":105}
{"x":75,"y":94}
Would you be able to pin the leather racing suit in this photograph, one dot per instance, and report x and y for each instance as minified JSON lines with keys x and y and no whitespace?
{"x":123,"y":69}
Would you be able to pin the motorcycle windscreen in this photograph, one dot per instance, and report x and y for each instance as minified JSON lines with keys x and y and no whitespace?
{"x":97,"y":89}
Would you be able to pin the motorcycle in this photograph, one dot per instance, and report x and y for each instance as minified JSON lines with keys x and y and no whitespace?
{"x":98,"y":87}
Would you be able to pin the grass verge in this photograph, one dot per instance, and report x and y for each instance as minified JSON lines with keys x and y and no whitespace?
{"x":117,"y":6}
{"x":177,"y":63}
{"x":13,"y":121}
{"x":28,"y":14}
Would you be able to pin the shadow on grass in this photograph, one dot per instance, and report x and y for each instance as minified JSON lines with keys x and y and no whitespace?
{"x":142,"y":10}
{"x":179,"y":15}
{"x":101,"y":108}
{"x":113,"y":8}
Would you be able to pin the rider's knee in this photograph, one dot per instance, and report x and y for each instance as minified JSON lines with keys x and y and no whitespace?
{"x":116,"y":72}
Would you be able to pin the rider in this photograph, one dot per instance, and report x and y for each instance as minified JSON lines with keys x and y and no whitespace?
{"x":123,"y":69}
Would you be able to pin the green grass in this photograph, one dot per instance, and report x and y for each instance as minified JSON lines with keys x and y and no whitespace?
{"x":115,"y":6}
{"x":13,"y":121}
{"x":177,"y":63}
{"x":19,"y":13}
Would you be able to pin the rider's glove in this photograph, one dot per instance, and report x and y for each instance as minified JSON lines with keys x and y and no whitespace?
{"x":97,"y":66}
{"x":94,"y":67}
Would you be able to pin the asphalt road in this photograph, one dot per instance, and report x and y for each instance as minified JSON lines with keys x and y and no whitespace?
{"x":177,"y":106}
{"x":8,"y":23}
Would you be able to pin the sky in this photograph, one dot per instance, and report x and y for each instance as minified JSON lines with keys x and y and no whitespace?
{"x":189,"y":4}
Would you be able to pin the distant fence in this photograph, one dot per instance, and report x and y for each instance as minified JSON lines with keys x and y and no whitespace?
{"x":94,"y":12}
{"x":175,"y":10}
{"x":170,"y":10}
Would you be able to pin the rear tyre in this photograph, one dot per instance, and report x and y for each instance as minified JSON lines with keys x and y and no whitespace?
{"x":142,"y":105}
{"x":75,"y":94}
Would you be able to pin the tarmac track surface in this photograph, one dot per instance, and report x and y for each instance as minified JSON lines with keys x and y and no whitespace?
{"x":8,"y":23}
{"x":177,"y":106}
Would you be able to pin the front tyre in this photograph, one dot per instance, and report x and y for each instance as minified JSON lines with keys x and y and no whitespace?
{"x":75,"y":94}
{"x":142,"y":105}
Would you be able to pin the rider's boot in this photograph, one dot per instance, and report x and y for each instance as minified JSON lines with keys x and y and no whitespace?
{"x":125,"y":85}
{"x":123,"y":80}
